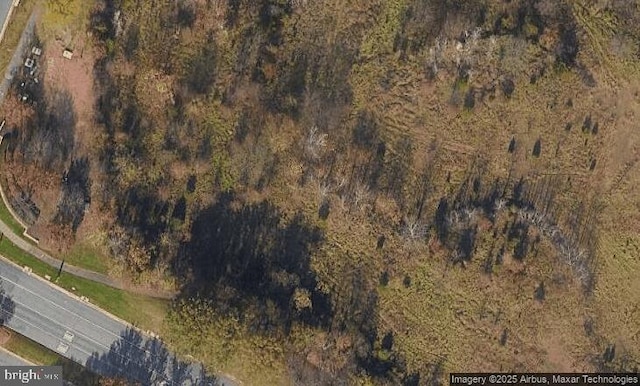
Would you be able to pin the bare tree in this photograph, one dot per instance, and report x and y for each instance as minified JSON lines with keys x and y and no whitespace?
{"x":315,"y":143}
{"x":361,"y":195}
{"x":414,"y":229}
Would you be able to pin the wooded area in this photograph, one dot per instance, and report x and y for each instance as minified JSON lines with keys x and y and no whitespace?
{"x":346,"y":191}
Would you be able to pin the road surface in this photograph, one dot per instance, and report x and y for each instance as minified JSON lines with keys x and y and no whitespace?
{"x":8,"y":358}
{"x":63,"y":323}
{"x":77,"y":271}
{"x":78,"y":331}
{"x":5,"y":8}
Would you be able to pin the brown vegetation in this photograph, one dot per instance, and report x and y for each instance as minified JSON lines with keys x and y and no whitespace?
{"x":351,"y":193}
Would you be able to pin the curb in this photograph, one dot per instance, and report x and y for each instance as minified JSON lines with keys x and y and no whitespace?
{"x":76,"y":297}
{"x":146,"y":334}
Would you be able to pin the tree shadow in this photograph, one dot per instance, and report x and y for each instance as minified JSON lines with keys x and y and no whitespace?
{"x":48,"y":137}
{"x":253,"y":253}
{"x":147,"y":361}
{"x":7,"y":306}
{"x":76,"y":374}
{"x":75,"y":195}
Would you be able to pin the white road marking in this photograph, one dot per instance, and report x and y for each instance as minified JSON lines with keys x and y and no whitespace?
{"x":44,"y":331}
{"x":59,"y":306}
{"x":68,"y":336}
{"x":118,"y":337}
{"x":63,"y":348}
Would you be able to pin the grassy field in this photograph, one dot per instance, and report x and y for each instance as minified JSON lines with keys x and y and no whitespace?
{"x":144,"y":312}
{"x":87,"y":256}
{"x":474,"y":111}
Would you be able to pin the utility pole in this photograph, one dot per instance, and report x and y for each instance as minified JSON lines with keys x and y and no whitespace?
{"x":60,"y":269}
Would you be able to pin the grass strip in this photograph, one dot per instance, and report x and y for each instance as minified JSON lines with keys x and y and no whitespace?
{"x":142,"y":311}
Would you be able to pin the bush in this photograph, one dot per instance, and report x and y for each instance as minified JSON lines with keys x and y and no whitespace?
{"x":568,"y":46}
{"x":508,"y":87}
{"x":540,"y":292}
{"x":324,"y":210}
{"x":470,"y":99}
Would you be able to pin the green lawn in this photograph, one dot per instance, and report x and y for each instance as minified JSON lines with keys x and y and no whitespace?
{"x":88,"y":257}
{"x":142,"y":311}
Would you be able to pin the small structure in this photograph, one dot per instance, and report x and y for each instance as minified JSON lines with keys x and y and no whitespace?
{"x":37,"y":51}
{"x":29,"y":63}
{"x":67,"y":54}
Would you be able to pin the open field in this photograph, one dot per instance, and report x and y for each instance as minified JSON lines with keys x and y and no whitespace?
{"x":86,"y":256}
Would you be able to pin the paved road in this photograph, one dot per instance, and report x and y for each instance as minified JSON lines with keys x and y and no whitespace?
{"x":5,"y":7}
{"x":77,"y":271}
{"x":78,"y":331}
{"x":47,"y":314}
{"x":8,"y":358}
